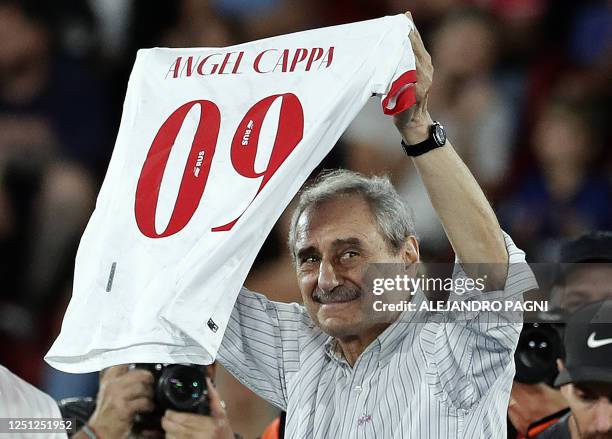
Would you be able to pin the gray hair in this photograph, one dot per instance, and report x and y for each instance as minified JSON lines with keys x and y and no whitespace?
{"x":393,"y":215}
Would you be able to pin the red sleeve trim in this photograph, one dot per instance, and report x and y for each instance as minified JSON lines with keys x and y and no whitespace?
{"x":404,"y":96}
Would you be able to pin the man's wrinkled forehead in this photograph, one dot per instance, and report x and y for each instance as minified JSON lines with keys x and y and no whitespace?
{"x":342,"y":212}
{"x":306,"y":223}
{"x":302,"y":226}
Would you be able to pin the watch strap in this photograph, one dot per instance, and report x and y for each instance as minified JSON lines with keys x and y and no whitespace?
{"x":419,"y":148}
{"x":424,"y":146}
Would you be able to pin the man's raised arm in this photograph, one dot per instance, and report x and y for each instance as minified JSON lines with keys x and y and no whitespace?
{"x":465,"y":213}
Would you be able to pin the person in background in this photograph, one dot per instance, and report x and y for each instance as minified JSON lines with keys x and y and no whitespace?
{"x":467,"y":96}
{"x":585,"y":376}
{"x":587,"y":270}
{"x":52,"y":136}
{"x":585,"y":277}
{"x":276,"y":429}
{"x":534,"y":407}
{"x":53,"y":120}
{"x":124,"y":392}
{"x":562,"y":197}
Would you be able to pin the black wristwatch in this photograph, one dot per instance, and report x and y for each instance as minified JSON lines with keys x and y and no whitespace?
{"x":436,"y":139}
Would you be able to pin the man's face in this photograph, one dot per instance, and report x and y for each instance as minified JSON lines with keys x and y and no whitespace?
{"x":336,"y":241}
{"x":591,"y":405}
{"x":587,"y":284}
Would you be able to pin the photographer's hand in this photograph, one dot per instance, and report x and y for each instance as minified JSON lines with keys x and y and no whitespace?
{"x":122,"y":394}
{"x":179,"y":425}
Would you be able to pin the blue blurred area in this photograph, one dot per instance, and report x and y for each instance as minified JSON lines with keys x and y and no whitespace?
{"x":62,"y":385}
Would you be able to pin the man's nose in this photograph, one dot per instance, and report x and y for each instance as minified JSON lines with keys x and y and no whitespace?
{"x":603,"y":416}
{"x":328,"y":277}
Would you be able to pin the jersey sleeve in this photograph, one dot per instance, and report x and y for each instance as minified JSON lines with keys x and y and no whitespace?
{"x":395,"y":76}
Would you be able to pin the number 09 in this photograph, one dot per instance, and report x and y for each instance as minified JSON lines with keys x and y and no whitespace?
{"x":195,"y":175}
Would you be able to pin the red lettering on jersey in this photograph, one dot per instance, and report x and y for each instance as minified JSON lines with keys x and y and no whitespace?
{"x":202,"y":64}
{"x":258,"y":60}
{"x":330,"y":57}
{"x":192,"y":183}
{"x":283,"y":61}
{"x":175,"y":67}
{"x":226,"y":62}
{"x":298,"y":56}
{"x":288,"y":136}
{"x":315,"y":55}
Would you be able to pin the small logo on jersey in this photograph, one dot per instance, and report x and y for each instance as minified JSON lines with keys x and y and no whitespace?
{"x":212,"y":325}
{"x":247,"y":133}
{"x":592,"y":343}
{"x":196,"y":168}
{"x":364,"y":419}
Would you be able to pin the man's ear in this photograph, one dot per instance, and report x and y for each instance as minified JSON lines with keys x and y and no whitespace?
{"x":410,"y":252}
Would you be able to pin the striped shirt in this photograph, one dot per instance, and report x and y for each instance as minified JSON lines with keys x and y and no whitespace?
{"x":434,"y":378}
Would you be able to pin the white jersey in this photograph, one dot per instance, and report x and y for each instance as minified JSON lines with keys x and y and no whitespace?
{"x":213,"y":145}
{"x":20,"y":401}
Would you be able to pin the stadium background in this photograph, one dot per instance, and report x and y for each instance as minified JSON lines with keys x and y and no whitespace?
{"x":523,"y":87}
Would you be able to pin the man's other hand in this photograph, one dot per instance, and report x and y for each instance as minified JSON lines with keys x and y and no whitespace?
{"x":122,"y":394}
{"x":179,"y":425}
{"x":414,"y":123}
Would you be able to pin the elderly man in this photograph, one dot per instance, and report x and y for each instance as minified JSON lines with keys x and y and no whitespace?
{"x":342,"y":370}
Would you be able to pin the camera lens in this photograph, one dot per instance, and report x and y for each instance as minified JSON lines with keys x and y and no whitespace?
{"x":536,"y":354}
{"x":183,"y":387}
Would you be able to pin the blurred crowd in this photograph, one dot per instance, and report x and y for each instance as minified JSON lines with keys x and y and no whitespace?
{"x":522,"y":86}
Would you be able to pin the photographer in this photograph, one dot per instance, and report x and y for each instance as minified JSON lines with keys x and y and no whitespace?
{"x":585,"y":277}
{"x":585,"y":376}
{"x":586,"y":274}
{"x":125,"y":392}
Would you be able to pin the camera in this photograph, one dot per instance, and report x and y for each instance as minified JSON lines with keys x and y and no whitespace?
{"x":539,"y":346}
{"x":179,"y":387}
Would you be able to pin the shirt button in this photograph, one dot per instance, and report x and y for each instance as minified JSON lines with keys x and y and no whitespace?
{"x":358,"y":389}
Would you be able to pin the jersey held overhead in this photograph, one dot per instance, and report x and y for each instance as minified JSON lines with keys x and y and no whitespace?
{"x":213,"y":145}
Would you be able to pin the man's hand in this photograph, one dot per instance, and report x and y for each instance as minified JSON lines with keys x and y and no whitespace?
{"x":190,"y":426}
{"x":122,"y":394}
{"x":414,"y":123}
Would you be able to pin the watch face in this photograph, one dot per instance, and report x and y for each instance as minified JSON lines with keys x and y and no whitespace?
{"x":439,"y":134}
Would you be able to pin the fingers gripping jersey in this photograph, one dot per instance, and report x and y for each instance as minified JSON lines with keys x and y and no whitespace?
{"x":213,"y":145}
